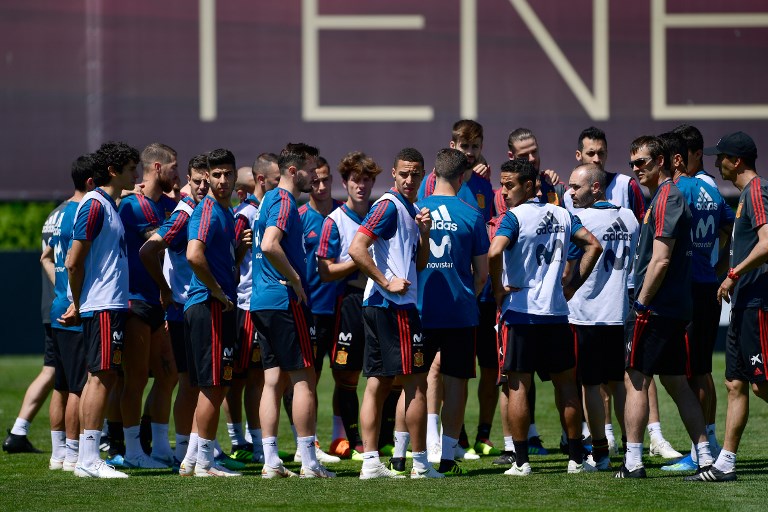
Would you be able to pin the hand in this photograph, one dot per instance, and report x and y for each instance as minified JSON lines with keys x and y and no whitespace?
{"x":568,"y":291}
{"x":502,"y":294}
{"x":398,"y":285}
{"x":424,"y":221}
{"x":482,"y":170}
{"x":246,"y":238}
{"x":301,"y":296}
{"x":166,"y":297}
{"x":725,"y":290}
{"x":551,"y":177}
{"x":221,"y":297}
{"x":138,"y":189}
{"x":70,"y":318}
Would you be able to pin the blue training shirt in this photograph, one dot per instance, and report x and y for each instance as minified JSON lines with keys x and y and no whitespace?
{"x":322,"y":295}
{"x":61,"y":241}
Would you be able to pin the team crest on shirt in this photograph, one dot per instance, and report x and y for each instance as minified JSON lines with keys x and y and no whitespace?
{"x":341,"y":357}
{"x":117,"y":357}
{"x":480,"y":198}
{"x":738,"y":210}
{"x":227,"y":373}
{"x":647,"y":215}
{"x":418,"y":359}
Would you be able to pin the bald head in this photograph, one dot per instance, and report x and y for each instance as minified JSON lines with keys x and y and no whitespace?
{"x":587,"y":185}
{"x":244,"y":184}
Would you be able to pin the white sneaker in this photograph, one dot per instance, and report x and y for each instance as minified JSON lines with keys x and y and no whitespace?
{"x":186,"y":468}
{"x":664,"y":449}
{"x":378,"y":471}
{"x":460,"y":453}
{"x":279,"y":472}
{"x":214,"y":471}
{"x":144,"y":461}
{"x":55,"y":464}
{"x":325,"y":458}
{"x":69,"y":466}
{"x":99,"y":469}
{"x":516,"y":470}
{"x":613,"y":447}
{"x":318,"y":471}
{"x":429,"y":472}
{"x":584,"y":467}
{"x":434,"y":453}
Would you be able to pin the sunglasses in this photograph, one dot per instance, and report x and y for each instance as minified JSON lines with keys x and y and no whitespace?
{"x":639,"y":162}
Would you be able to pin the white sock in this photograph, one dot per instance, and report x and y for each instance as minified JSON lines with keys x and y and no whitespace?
{"x":726,"y":461}
{"x":161,"y":445}
{"x":585,"y":433}
{"x":634,"y":456}
{"x":271,"y":457}
{"x":433,"y":429}
{"x":205,"y":452}
{"x":338,"y":431}
{"x":509,"y":444}
{"x":89,"y":448}
{"x":420,"y":460}
{"x":654,"y":430}
{"x":705,"y":456}
{"x":448,"y":446}
{"x":532,"y":432}
{"x":20,"y":427}
{"x":191,"y":455}
{"x":182,"y":445}
{"x":401,"y":444}
{"x":609,"y":433}
{"x":306,"y":446}
{"x":371,"y":459}
{"x":132,"y":442}
{"x":73,"y":447}
{"x":235,"y":431}
{"x":81,"y":437}
{"x":58,"y":444}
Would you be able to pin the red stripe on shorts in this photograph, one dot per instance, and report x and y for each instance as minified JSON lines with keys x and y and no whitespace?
{"x":762,"y":321}
{"x":688,"y":370}
{"x":216,"y":341}
{"x":305,"y":343}
{"x":640,"y":323}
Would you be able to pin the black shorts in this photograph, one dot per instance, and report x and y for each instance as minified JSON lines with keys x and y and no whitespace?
{"x":71,"y":371}
{"x":104,"y":335}
{"x":211,"y":335}
{"x":457,"y":350}
{"x":486,"y":343}
{"x":540,"y":348}
{"x":151,"y":314}
{"x":746,"y":345}
{"x":49,"y":358}
{"x":599,"y":353}
{"x":394,"y":343}
{"x":349,"y":341}
{"x":179,"y":344}
{"x":248,"y":349}
{"x":701,"y":332}
{"x":326,"y":327}
{"x":287,"y":341}
{"x":655,"y":345}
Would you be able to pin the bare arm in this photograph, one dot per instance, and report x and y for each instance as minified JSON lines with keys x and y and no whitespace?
{"x":76,"y":273}
{"x":244,"y":246}
{"x":480,"y":272}
{"x":332,"y":271}
{"x":48,"y":263}
{"x":754,"y":259}
{"x":270,"y":247}
{"x":592,"y":251}
{"x":424,"y":222}
{"x":358,"y":251}
{"x":199,"y":265}
{"x":724,"y":244}
{"x":657,"y":269}
{"x":496,"y":265}
{"x":151,"y":253}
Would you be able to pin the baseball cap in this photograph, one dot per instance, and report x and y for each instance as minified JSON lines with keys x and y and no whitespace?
{"x":734,"y":144}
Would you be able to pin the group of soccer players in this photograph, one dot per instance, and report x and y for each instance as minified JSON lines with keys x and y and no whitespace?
{"x":584,"y":285}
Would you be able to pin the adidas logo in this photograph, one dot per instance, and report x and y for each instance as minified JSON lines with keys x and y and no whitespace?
{"x":312,"y":234}
{"x":549,"y":225}
{"x":704,"y":202}
{"x":617,"y":231}
{"x":441,"y":219}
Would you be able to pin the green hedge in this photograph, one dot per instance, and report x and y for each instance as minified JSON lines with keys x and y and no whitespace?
{"x":21,"y":223}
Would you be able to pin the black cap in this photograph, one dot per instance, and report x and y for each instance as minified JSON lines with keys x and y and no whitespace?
{"x":737,"y":144}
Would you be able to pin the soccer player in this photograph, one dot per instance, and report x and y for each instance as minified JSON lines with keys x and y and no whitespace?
{"x":209,"y":313}
{"x":148,"y":346}
{"x":598,"y":324}
{"x":280,"y":312}
{"x":68,"y":345}
{"x":655,"y":326}
{"x":358,"y":175}
{"x":173,"y":279}
{"x":530,"y":247}
{"x":97,"y":267}
{"x":455,"y":274}
{"x":746,"y":288}
{"x":398,"y":237}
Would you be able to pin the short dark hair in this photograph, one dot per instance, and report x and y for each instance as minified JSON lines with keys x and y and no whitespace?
{"x":295,"y":154}
{"x":157,"y":152}
{"x":219,"y":157}
{"x":322,"y":162}
{"x":591,"y":133}
{"x":450,"y":164}
{"x":262,"y":163}
{"x":519,"y":135}
{"x":409,"y":155}
{"x":692,"y":136}
{"x":82,"y":170}
{"x":655,"y":145}
{"x":676,"y":145}
{"x":523,"y":168}
{"x":112,"y":154}
{"x":466,"y":129}
{"x":357,"y":164}
{"x":199,"y":162}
